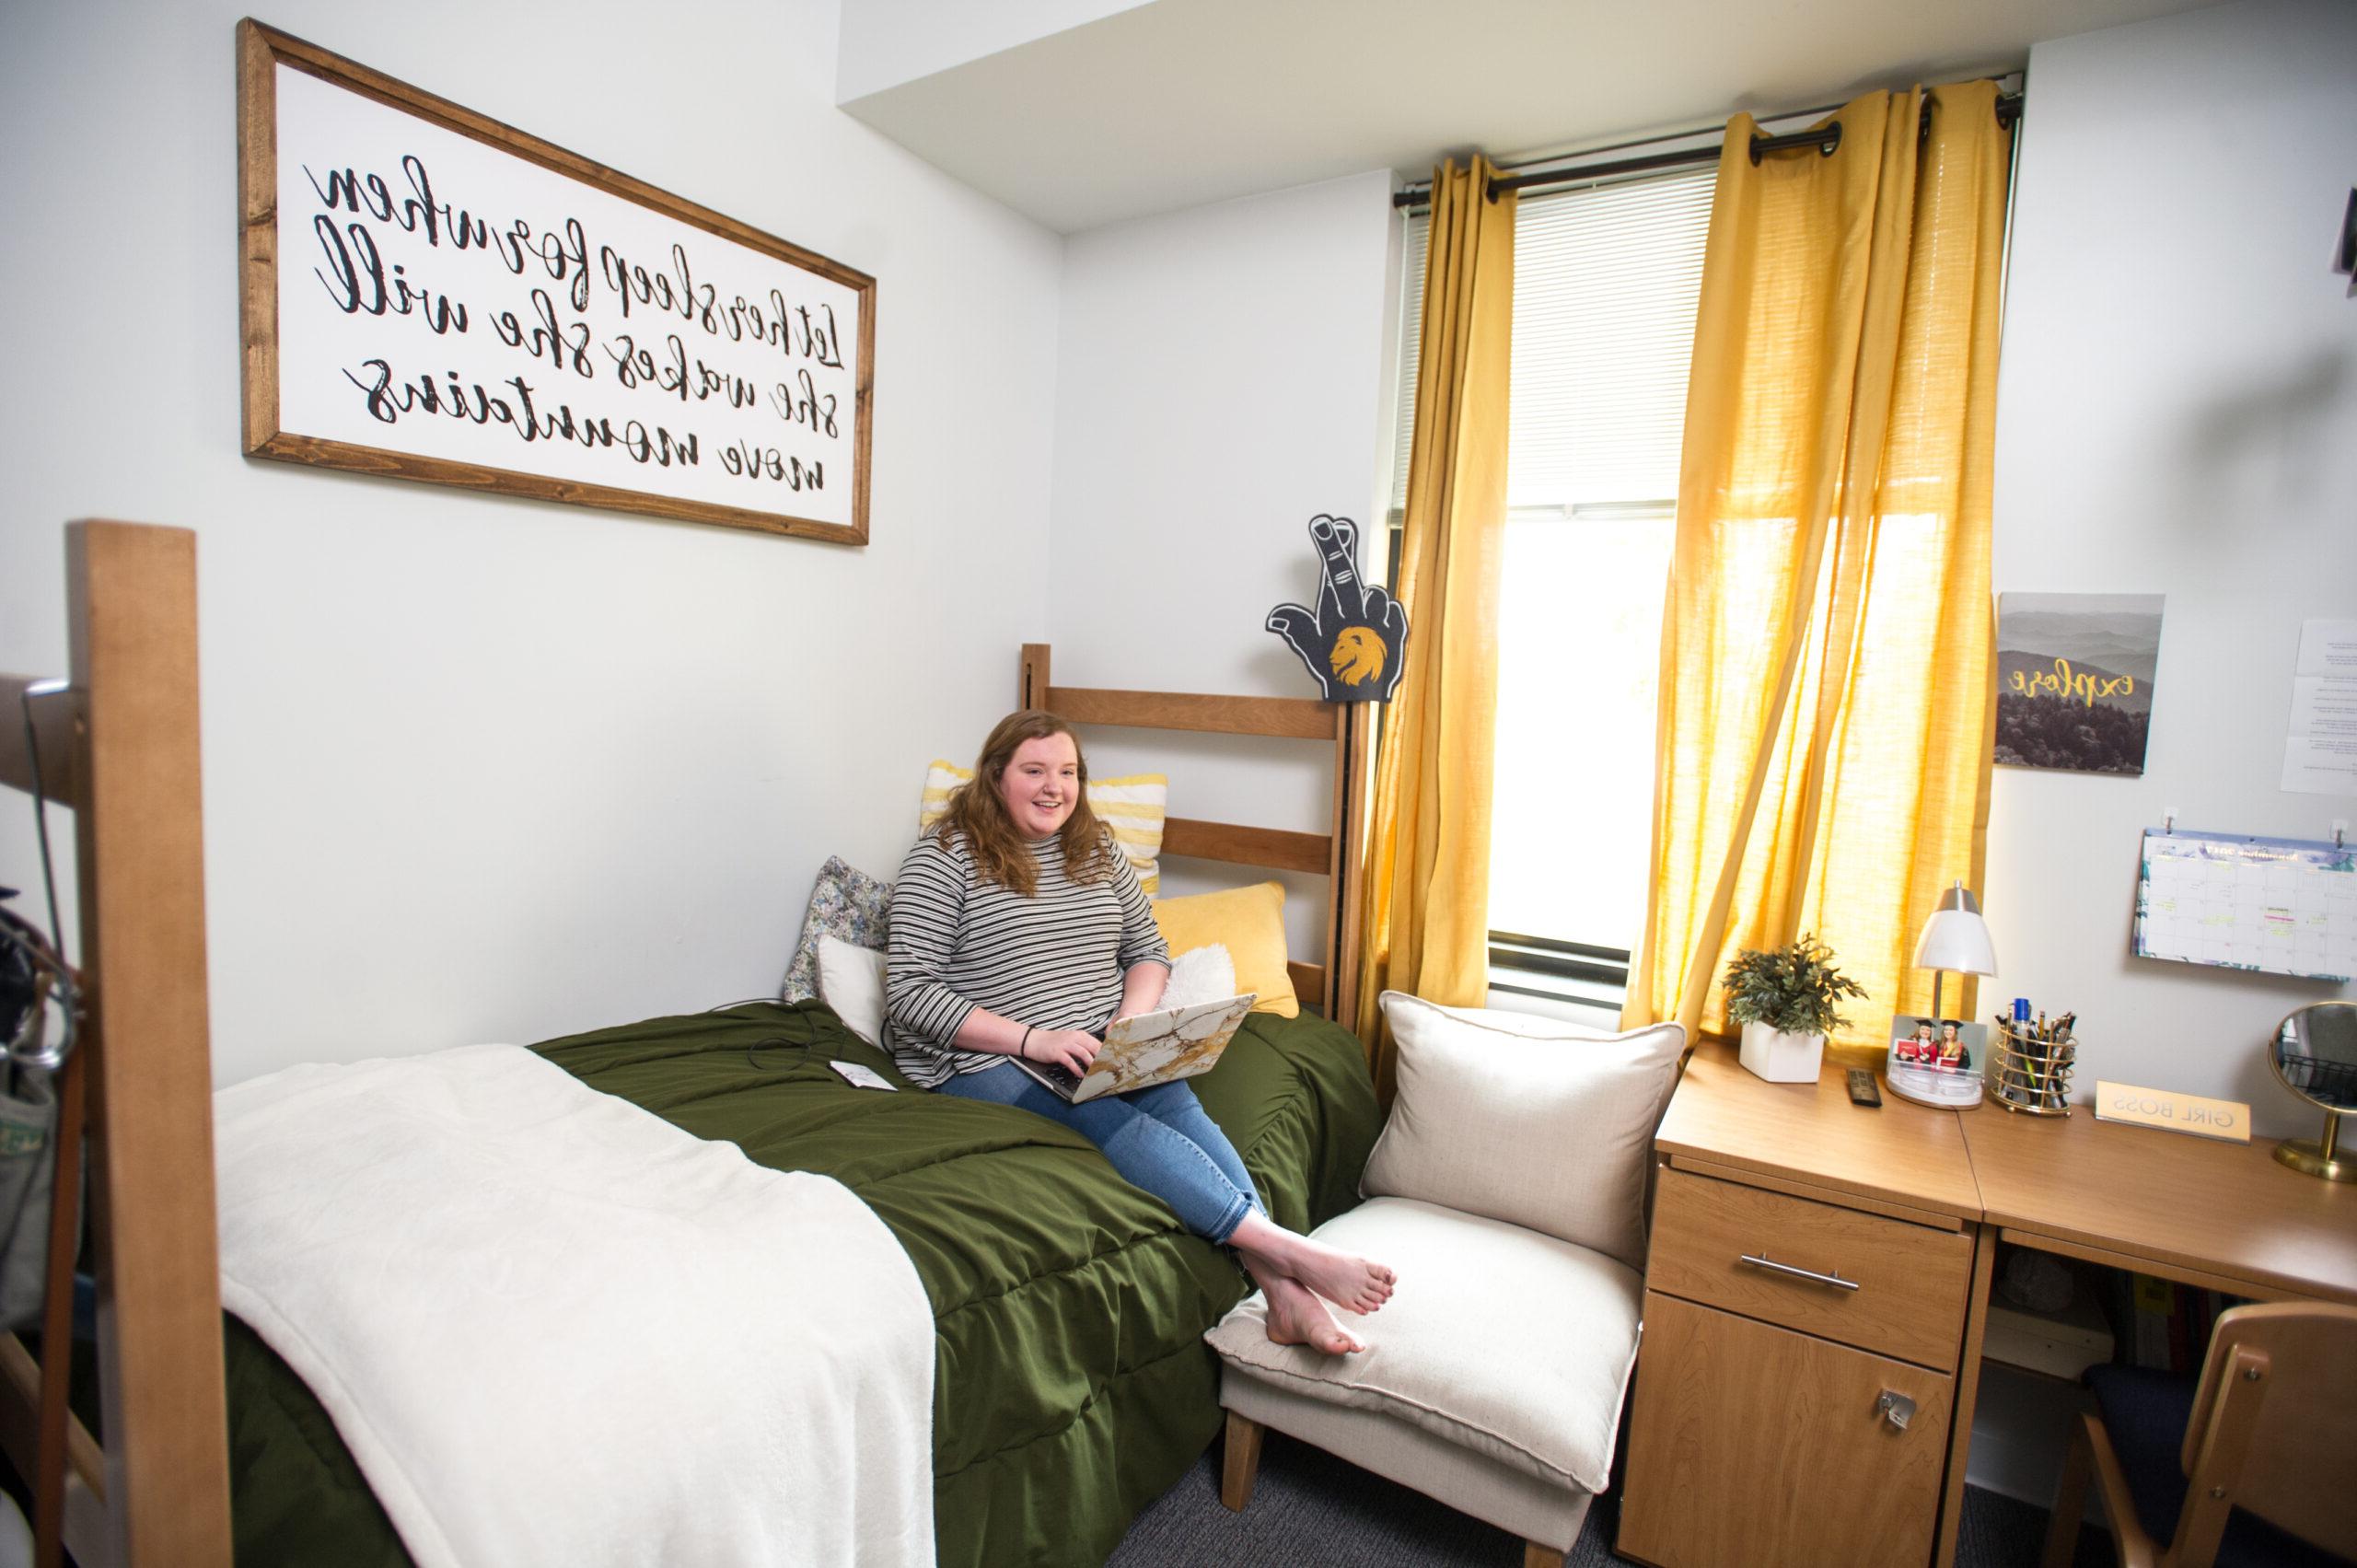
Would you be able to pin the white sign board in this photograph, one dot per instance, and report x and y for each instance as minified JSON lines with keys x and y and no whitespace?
{"x":432,"y":295}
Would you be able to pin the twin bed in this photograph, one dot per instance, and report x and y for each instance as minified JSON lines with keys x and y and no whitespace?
{"x":1071,"y":1382}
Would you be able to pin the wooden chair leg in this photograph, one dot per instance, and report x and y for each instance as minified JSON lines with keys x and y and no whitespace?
{"x":2069,"y":1500}
{"x":1241,"y":1462}
{"x":1537,"y":1556}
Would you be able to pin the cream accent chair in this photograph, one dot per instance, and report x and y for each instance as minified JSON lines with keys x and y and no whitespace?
{"x":1508,"y":1193}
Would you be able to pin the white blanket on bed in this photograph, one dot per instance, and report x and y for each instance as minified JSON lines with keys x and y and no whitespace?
{"x":554,"y":1328}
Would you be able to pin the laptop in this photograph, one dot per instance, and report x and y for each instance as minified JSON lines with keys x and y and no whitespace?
{"x":1150,"y":1049}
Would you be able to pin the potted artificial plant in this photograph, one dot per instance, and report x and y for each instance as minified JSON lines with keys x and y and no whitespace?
{"x":1786,"y":1000}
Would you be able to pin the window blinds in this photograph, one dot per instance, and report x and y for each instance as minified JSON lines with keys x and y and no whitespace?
{"x":1605,"y":280}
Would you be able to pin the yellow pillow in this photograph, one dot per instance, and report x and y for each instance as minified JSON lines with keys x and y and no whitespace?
{"x":1132,"y":806}
{"x":1250,"y":922}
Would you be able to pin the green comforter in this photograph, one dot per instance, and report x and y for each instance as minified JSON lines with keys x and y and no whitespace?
{"x":1071,"y":1384}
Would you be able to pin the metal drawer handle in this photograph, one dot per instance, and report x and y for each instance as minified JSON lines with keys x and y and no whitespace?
{"x":1834,"y":1278}
{"x":1894,"y":1408}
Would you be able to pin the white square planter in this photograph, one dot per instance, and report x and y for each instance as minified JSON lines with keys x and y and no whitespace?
{"x":1781,"y":1058}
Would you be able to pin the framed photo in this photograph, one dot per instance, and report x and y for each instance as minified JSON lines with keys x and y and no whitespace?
{"x":1938,"y":1045}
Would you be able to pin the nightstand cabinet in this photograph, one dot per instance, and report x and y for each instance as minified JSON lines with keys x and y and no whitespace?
{"x":1795,"y":1389}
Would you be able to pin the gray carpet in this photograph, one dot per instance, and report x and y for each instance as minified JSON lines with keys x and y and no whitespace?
{"x":1309,"y":1508}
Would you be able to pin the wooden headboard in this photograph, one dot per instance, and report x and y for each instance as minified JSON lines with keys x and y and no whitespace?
{"x":119,"y":748}
{"x":1330,"y":984}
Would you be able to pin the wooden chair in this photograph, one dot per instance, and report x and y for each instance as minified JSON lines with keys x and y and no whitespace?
{"x":2250,"y":1464}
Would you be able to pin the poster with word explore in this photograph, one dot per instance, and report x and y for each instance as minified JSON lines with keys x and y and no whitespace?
{"x":2074,"y":679}
{"x":450,"y":300}
{"x":2281,"y":906}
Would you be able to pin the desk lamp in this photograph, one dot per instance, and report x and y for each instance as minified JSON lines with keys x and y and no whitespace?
{"x":1957,"y":939}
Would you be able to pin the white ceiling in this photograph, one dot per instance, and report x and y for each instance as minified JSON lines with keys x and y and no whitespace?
{"x":1175,"y":103}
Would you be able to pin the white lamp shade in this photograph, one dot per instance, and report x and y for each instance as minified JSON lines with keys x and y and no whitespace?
{"x":1956,"y":940}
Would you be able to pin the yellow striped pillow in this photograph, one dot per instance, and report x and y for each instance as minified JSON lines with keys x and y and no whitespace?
{"x":1132,"y":806}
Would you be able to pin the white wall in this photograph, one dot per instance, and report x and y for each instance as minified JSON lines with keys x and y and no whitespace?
{"x":478,"y":768}
{"x":1222,"y":379}
{"x":2177,"y":414}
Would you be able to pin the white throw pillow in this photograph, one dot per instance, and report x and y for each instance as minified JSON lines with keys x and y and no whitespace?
{"x":850,"y":981}
{"x":1539,"y":1123}
{"x":1201,"y":974}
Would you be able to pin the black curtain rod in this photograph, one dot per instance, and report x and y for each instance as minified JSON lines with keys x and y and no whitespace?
{"x":1824,"y":138}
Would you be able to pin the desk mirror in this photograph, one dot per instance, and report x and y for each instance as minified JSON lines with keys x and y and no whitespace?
{"x":2315,"y":1053}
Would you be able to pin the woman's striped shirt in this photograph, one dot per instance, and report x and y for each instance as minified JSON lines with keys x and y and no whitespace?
{"x":959,"y":941}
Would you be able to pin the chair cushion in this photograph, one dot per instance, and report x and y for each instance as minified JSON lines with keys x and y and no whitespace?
{"x":2145,"y":1414}
{"x":1546,"y":1511}
{"x":1513,"y":1344}
{"x":1531,"y":1121}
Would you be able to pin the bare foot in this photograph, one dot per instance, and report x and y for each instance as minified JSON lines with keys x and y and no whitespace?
{"x":1297,"y":1318}
{"x":1342,"y":1277}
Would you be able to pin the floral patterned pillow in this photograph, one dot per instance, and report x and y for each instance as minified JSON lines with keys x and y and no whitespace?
{"x":847,"y":904}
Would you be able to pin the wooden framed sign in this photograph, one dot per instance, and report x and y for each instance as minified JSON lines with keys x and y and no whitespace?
{"x":432,"y":295}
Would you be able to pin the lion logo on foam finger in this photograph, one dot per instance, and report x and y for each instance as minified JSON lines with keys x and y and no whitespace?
{"x":1354,"y":640}
{"x":1358,"y":655}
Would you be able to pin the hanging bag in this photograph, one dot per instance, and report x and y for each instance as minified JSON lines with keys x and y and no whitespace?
{"x":32,"y":977}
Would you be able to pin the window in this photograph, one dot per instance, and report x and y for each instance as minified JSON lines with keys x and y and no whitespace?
{"x":1605,"y":280}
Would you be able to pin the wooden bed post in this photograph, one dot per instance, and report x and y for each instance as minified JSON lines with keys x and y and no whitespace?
{"x":1354,"y":723}
{"x":148,"y":1044}
{"x":1031,"y":688}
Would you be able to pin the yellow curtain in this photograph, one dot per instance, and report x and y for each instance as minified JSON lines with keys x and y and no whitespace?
{"x":1425,"y":915}
{"x":1826,"y":697}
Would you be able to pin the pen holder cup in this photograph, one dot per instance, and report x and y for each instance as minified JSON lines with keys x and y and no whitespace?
{"x":2032,"y":1075}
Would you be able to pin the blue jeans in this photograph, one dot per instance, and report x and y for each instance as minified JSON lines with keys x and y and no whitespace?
{"x":1158,"y":1138}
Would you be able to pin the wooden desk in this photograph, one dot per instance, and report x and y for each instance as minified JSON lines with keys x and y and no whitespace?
{"x":2198,"y":1210}
{"x":1745,"y":1350}
{"x":1904,"y":1154}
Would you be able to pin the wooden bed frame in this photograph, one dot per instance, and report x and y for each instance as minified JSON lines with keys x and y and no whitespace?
{"x":1332,"y":984}
{"x":119,"y":748}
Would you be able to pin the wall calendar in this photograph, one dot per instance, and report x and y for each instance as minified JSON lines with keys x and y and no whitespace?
{"x":2280,"y":906}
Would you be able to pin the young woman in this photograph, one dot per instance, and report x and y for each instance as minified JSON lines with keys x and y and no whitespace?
{"x":1019,"y":930}
{"x":1921,"y":1048}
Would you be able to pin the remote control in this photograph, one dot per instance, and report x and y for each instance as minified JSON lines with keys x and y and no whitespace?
{"x":1862,"y":1087}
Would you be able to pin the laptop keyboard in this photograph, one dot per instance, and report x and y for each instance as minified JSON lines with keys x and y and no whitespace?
{"x":1062,"y":1077}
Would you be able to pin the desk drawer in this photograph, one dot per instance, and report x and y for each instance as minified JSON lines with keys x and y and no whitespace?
{"x":1911,"y":1279}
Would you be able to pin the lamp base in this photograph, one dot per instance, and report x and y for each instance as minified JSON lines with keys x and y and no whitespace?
{"x":2308,"y":1156}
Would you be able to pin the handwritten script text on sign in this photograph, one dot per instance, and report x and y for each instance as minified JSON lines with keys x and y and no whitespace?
{"x":441,"y":296}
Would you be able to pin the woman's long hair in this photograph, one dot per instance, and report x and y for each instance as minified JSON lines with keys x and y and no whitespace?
{"x":978,"y":813}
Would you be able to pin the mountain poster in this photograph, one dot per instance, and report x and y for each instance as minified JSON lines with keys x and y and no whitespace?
{"x":2074,"y":679}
